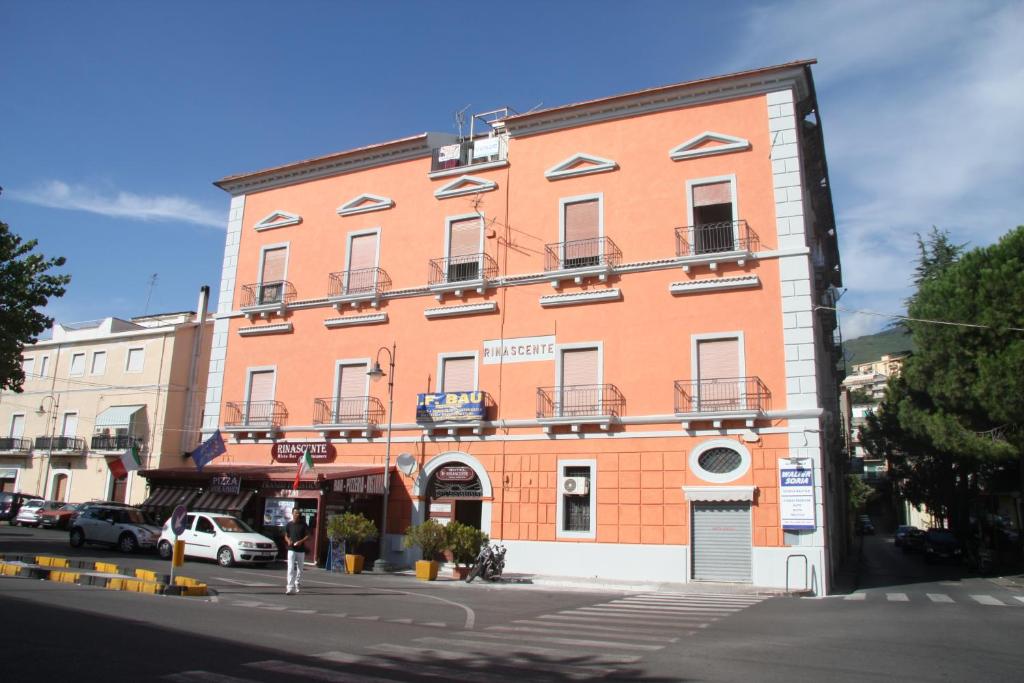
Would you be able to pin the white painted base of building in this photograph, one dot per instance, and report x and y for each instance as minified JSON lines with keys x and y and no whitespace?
{"x":769,"y":568}
{"x":613,"y":561}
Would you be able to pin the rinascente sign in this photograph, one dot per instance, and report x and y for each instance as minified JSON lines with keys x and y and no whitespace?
{"x":291,"y":451}
{"x":519,"y":350}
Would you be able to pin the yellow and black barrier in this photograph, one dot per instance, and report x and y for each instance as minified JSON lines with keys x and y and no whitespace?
{"x":90,"y":573}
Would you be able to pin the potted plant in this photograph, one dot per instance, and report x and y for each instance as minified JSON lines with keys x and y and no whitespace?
{"x":432,"y":540}
{"x":465,"y":542}
{"x":353,"y":529}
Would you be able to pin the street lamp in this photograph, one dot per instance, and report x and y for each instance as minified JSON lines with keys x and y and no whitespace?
{"x":376,"y":373}
{"x":40,"y":411}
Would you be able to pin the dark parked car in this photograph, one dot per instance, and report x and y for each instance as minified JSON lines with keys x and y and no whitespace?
{"x":10,"y":503}
{"x":60,"y":518}
{"x":914,"y":542}
{"x":865,"y":525}
{"x":941,"y":544}
{"x":902,"y":532}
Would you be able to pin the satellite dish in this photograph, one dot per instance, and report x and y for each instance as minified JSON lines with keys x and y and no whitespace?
{"x":406,"y":464}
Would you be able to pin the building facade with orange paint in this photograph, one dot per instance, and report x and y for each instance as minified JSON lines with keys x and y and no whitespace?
{"x":607,"y":347}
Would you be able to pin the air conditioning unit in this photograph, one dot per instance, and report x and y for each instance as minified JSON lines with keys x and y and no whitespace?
{"x":575,"y":486}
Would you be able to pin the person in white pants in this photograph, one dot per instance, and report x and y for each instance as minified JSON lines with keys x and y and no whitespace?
{"x":296,"y":532}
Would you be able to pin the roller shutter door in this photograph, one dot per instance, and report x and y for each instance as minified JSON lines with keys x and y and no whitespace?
{"x":721,"y":542}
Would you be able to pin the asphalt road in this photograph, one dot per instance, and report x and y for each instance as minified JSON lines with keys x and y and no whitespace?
{"x":394,"y":628}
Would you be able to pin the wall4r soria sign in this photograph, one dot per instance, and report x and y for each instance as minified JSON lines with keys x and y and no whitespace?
{"x":291,"y":451}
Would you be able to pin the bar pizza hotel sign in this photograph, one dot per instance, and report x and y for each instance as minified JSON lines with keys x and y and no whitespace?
{"x":519,"y":350}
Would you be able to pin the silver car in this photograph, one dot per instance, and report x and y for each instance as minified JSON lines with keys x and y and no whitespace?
{"x":124,"y":527}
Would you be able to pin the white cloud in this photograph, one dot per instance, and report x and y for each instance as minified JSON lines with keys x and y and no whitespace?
{"x":57,"y":194}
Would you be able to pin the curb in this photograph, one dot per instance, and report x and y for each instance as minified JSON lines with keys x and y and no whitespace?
{"x":100,"y":574}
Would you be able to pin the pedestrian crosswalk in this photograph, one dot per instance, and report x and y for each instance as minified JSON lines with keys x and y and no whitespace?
{"x":937,"y":598}
{"x":603,"y":640}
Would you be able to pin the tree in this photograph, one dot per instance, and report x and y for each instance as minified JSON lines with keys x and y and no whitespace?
{"x":25,"y":287}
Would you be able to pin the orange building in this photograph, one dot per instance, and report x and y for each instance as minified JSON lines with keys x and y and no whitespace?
{"x":607,"y":347}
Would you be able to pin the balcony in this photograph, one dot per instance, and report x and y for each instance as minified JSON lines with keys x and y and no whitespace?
{"x":348,"y":415}
{"x":266,"y":298}
{"x":68,"y":444}
{"x":120,"y":442}
{"x":576,"y":259}
{"x":254,"y":418}
{"x":714,"y":243}
{"x":454,"y":410}
{"x":577,"y":405}
{"x":458,"y":274}
{"x":364,"y":285}
{"x":719,"y":399}
{"x":13,"y":445}
{"x":469,"y":155}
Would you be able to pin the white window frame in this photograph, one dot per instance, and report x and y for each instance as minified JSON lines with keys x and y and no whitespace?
{"x":71,"y":366}
{"x":442,"y":357}
{"x":564,"y":201}
{"x":10,"y":427}
{"x":448,"y":220}
{"x":64,"y":422}
{"x":53,"y":475}
{"x":713,"y":477}
{"x":127,"y":360}
{"x":560,"y":507}
{"x":717,"y":336}
{"x":92,"y":364}
{"x":287,"y":258}
{"x":711,"y":180}
{"x":560,"y":348}
{"x":348,"y":246}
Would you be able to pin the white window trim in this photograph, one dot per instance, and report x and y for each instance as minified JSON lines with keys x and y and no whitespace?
{"x":285,"y":218}
{"x":715,"y":336}
{"x":248,"y":381}
{"x":442,"y":357}
{"x":560,"y":348}
{"x":463,"y":185}
{"x":356,"y":205}
{"x":127,"y":360}
{"x":563,"y":201}
{"x":287,"y":257}
{"x":92,"y":363}
{"x":346,"y":362}
{"x":731,"y":178}
{"x":730,"y":143}
{"x":712,"y":477}
{"x":53,"y":475}
{"x":71,"y":366}
{"x":564,"y":169}
{"x":560,"y":507}
{"x":10,"y":426}
{"x":348,"y":246}
{"x":448,"y":220}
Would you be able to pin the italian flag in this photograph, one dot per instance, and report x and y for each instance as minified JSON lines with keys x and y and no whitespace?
{"x":305,"y":465}
{"x":128,"y":462}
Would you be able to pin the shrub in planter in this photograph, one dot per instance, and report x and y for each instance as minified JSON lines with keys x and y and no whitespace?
{"x":353,"y":529}
{"x":465,"y":542}
{"x":432,"y":540}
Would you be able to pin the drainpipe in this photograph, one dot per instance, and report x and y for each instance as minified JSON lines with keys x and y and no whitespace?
{"x":197,"y":345}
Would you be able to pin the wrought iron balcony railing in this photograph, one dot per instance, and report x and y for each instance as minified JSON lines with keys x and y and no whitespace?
{"x":15,"y":445}
{"x":467,"y":268}
{"x":357,"y":410}
{"x":721,"y":395}
{"x":581,"y":400}
{"x":458,"y":154}
{"x":716,"y":238}
{"x":362,"y":281}
{"x":267,"y":293}
{"x":588,"y":253}
{"x":255,"y":414}
{"x":121,"y":442}
{"x":59,"y":443}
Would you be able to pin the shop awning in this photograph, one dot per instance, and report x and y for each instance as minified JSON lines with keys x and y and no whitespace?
{"x":117,"y":416}
{"x":169,"y":497}
{"x":223,"y":502}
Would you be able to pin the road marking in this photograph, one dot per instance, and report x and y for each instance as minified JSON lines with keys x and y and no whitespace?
{"x":988,"y":600}
{"x":337,"y":656}
{"x":247,"y":584}
{"x":623,"y":621}
{"x":581,"y":642}
{"x":204,"y":677}
{"x":597,"y":609}
{"x":366,"y":618}
{"x":313,"y":673}
{"x":617,"y":628}
{"x":275,"y":608}
{"x":245,"y":603}
{"x":939,"y":597}
{"x":399,"y":621}
{"x":532,"y":627}
{"x":1019,"y":597}
{"x":954,"y":584}
{"x":435,"y":624}
{"x":721,"y":599}
{"x":856,"y":596}
{"x":502,"y":649}
{"x":417,"y":655}
{"x":303,"y":611}
{"x":669,"y":610}
{"x":339,"y":615}
{"x":897,"y":597}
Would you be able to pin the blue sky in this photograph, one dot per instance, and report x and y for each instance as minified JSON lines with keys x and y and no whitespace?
{"x":117,"y":116}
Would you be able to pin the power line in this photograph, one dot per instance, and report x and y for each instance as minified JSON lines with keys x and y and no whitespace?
{"x":893,"y":316}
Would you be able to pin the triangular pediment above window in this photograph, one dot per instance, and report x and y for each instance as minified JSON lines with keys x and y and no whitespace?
{"x":580,"y":164}
{"x":364,"y":203}
{"x":466,"y":184}
{"x":708,"y":143}
{"x":278,"y":219}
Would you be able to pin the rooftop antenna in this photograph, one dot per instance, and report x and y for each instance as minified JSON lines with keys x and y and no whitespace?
{"x":460,"y":118}
{"x":152,"y":285}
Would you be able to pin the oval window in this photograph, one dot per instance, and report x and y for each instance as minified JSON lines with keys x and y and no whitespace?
{"x":720,"y":460}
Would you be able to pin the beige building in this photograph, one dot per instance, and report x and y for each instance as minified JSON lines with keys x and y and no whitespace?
{"x":95,"y":389}
{"x":863,"y":389}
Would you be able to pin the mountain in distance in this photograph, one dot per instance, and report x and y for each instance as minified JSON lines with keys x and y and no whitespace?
{"x":874,"y":346}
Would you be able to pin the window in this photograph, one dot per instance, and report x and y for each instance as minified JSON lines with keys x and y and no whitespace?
{"x":272,"y":273}
{"x":350,"y":393}
{"x":99,"y":363}
{"x":136,"y":358}
{"x":360,"y":275}
{"x":17,"y":426}
{"x":720,"y":461}
{"x":204,"y":526}
{"x":70,"y":425}
{"x":457,"y":373}
{"x":719,"y":386}
{"x":259,"y":403}
{"x":577,"y":497}
{"x":580,"y":390}
{"x":44,"y":361}
{"x":28,"y":365}
{"x":581,"y":232}
{"x":713,"y":213}
{"x":77,"y":364}
{"x":464,"y":248}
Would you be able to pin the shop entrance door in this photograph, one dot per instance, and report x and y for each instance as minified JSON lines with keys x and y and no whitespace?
{"x":469,"y":512}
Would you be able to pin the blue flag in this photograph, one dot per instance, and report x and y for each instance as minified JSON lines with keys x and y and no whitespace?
{"x":208,"y":450}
